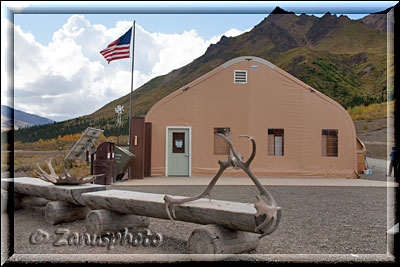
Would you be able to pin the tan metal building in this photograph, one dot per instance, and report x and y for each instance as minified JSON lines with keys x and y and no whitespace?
{"x":298,"y":130}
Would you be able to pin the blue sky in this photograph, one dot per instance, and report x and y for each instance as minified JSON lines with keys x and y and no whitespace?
{"x":207,"y":25}
{"x":172,"y":17}
{"x":59,"y":73}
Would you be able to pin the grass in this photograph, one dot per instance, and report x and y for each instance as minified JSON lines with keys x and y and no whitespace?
{"x":353,"y":38}
{"x":370,"y":112}
{"x":26,"y":155}
{"x":78,"y":168}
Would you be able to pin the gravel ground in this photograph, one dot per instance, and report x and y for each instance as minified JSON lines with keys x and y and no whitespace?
{"x":378,"y":172}
{"x":315,"y":220}
{"x":378,"y":151}
{"x":374,"y":135}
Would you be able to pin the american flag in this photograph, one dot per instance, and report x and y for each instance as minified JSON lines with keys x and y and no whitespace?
{"x":119,"y":48}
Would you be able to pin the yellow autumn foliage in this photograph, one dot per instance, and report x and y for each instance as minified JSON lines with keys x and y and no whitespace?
{"x":65,"y":142}
{"x":370,"y":112}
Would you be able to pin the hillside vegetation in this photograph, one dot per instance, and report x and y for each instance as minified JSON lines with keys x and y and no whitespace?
{"x":371,"y":112}
{"x":342,"y":58}
{"x":26,"y":155}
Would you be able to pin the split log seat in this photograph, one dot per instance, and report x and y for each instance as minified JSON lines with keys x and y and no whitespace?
{"x":63,"y":202}
{"x":229,"y":227}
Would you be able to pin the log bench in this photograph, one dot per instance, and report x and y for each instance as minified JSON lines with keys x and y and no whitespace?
{"x":63,"y":202}
{"x":228,"y":227}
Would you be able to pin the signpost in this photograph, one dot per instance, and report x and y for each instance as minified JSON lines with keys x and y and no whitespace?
{"x":85,"y":145}
{"x":119,"y":110}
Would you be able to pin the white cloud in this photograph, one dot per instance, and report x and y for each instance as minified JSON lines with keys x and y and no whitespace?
{"x":6,"y":76}
{"x":69,"y":78}
{"x":177,"y":50}
{"x":228,"y":33}
{"x":18,"y":6}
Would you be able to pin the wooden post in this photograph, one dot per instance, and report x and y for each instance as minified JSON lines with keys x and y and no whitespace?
{"x":91,"y":163}
{"x":99,"y":222}
{"x":59,"y":212}
{"x":147,"y":149}
{"x":21,"y":200}
{"x":137,"y":147}
{"x":215,"y":239}
{"x":18,"y":201}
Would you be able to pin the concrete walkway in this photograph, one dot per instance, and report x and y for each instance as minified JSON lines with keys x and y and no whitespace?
{"x":380,"y":164}
{"x":268,"y":181}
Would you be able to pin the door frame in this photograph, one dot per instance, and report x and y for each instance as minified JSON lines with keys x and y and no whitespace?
{"x":167,"y":128}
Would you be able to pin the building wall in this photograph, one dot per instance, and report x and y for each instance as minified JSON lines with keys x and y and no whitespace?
{"x":361,"y":150}
{"x":272,"y":98}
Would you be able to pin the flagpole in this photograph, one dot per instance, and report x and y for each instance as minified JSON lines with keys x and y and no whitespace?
{"x":130,"y":97}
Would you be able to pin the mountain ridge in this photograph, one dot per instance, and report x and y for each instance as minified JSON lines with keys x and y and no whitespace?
{"x":21,"y":119}
{"x":342,"y":58}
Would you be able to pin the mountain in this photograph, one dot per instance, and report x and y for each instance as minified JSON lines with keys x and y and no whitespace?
{"x":342,"y":58}
{"x":21,"y":119}
{"x":377,"y":20}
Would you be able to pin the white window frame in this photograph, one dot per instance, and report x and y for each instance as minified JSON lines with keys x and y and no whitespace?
{"x":234,"y":76}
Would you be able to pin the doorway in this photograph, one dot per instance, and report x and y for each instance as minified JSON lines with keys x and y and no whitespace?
{"x":178,"y":151}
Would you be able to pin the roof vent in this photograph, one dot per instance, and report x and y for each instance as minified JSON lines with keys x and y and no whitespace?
{"x":240,"y":76}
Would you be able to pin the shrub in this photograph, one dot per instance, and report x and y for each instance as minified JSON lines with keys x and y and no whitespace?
{"x":369,"y":112}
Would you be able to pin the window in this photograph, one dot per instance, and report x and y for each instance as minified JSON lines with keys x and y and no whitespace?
{"x":329,"y":143}
{"x":221,"y":147}
{"x":178,"y":143}
{"x":275,"y":142}
{"x":240,"y":76}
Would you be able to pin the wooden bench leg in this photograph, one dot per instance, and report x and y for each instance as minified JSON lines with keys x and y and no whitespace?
{"x":33,"y":201}
{"x":215,"y":239}
{"x":59,"y":212}
{"x":18,"y":198}
{"x":21,"y":200}
{"x":102,"y":221}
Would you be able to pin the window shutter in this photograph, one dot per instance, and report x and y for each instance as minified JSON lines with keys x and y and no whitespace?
{"x":278,"y":145}
{"x":221,"y":147}
{"x":275,"y":142}
{"x":271,"y":147}
{"x":329,"y":143}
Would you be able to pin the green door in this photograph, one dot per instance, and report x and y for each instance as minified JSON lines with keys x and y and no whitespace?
{"x":178,"y":152}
